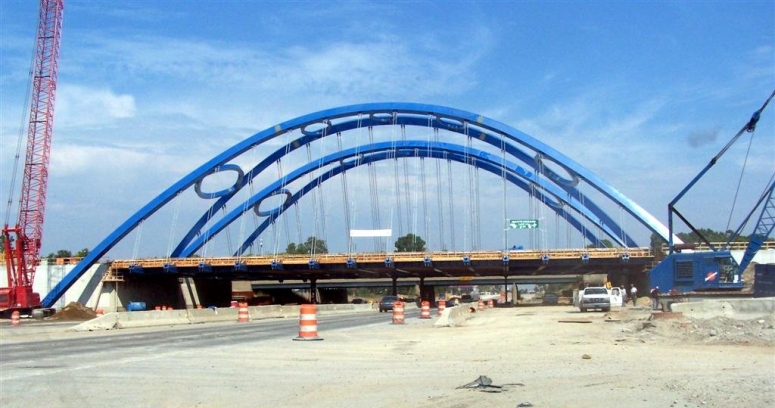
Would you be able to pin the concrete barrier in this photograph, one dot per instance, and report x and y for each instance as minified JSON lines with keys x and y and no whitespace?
{"x":730,"y":308}
{"x":454,"y":316}
{"x":152,"y":318}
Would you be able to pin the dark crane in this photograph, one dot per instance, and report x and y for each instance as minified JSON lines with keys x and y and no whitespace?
{"x":22,"y":242}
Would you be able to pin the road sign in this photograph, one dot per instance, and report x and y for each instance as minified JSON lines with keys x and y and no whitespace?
{"x":523,"y":224}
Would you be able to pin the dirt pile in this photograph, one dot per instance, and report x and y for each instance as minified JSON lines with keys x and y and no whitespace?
{"x":74,"y":311}
{"x":717,"y":330}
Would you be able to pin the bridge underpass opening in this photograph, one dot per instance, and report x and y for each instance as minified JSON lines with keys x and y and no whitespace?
{"x":461,"y":183}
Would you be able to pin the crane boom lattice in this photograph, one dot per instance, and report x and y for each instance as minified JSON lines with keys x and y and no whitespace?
{"x":23,"y":242}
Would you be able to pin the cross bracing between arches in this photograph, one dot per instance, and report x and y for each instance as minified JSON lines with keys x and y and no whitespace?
{"x":318,"y":125}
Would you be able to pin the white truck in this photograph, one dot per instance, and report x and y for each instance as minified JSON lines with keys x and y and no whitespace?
{"x":595,"y":297}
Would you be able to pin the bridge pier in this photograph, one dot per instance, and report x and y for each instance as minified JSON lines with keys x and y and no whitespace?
{"x":313,"y":291}
{"x":395,"y":285}
{"x":189,"y":292}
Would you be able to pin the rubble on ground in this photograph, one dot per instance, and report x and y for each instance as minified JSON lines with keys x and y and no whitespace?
{"x":759,"y":331}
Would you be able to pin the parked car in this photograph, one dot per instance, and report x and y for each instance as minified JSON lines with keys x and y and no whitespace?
{"x":550,"y":299}
{"x":386,"y":303}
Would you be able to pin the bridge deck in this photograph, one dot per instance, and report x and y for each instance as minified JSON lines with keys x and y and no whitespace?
{"x":382,"y":265}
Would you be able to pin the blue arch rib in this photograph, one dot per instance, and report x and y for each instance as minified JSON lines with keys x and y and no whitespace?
{"x":413,"y":147}
{"x":449,"y":118}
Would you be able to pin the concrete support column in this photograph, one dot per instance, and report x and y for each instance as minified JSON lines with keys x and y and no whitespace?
{"x":395,"y":286}
{"x":188,"y":290}
{"x":313,"y":291}
{"x":515,"y":294}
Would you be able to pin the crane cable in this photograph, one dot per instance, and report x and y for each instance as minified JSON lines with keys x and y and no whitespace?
{"x":752,"y":131}
{"x":750,"y":127}
{"x":15,"y":170}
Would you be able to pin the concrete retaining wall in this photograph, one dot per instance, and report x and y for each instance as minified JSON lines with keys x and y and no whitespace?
{"x":152,"y":318}
{"x":731,"y":308}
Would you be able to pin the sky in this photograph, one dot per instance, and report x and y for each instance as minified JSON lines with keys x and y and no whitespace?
{"x":643,"y":94}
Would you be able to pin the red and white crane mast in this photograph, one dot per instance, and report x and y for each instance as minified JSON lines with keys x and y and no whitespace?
{"x":22,"y":242}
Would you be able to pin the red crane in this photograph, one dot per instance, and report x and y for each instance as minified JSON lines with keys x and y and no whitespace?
{"x":22,"y":242}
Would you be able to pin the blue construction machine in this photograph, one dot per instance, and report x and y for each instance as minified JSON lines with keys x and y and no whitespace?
{"x":686,"y":269}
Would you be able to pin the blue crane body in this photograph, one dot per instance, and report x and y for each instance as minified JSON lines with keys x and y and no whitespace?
{"x":686,"y":270}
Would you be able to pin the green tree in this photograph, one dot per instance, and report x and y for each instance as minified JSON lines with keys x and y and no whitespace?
{"x":606,"y":244}
{"x":311,"y":245}
{"x":82,"y":253}
{"x":62,"y":253}
{"x":410,"y":243}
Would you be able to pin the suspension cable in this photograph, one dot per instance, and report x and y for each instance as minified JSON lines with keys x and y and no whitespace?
{"x":470,"y":201}
{"x":621,"y":225}
{"x":439,"y":201}
{"x":450,"y":203}
{"x":477,"y":226}
{"x":426,"y":214}
{"x":138,"y":237}
{"x":346,"y":199}
{"x":582,"y":199}
{"x":531,"y":213}
{"x":407,"y":193}
{"x":173,"y":227}
{"x":374,"y":191}
{"x":503,"y":189}
{"x":396,"y":182}
{"x":207,"y":237}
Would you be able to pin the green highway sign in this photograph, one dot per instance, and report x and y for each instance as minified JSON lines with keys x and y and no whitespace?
{"x":523,"y":224}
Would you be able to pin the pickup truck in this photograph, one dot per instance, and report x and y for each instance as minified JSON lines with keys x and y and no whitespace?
{"x":595,"y":298}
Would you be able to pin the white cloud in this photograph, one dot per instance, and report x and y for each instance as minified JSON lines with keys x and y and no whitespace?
{"x":79,"y":106}
{"x":69,"y":160}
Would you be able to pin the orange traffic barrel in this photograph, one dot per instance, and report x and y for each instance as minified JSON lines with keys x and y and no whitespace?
{"x":490,"y":304}
{"x":243,"y":316}
{"x":442,"y":304}
{"x":157,"y":308}
{"x":398,"y":312}
{"x":308,"y":323}
{"x":99,"y":312}
{"x":198,"y":306}
{"x":15,"y":318}
{"x":480,"y":304}
{"x":425,"y":310}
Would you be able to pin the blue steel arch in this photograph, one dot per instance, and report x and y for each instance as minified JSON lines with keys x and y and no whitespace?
{"x":488,"y":137}
{"x":451,"y":119}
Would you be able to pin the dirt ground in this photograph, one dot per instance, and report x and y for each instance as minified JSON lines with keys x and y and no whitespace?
{"x":527,"y":356}
{"x":544,"y":356}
